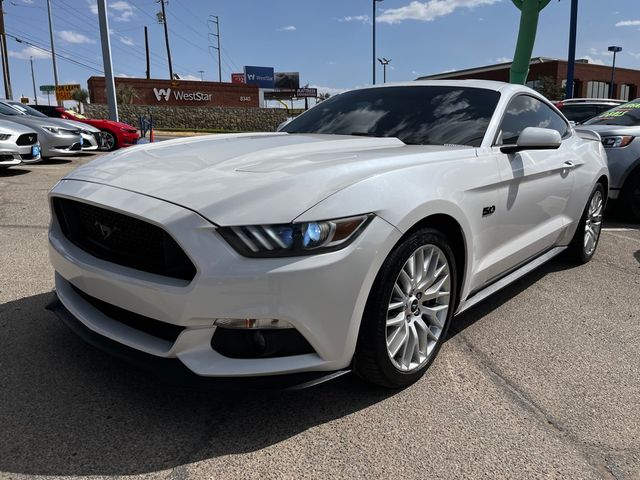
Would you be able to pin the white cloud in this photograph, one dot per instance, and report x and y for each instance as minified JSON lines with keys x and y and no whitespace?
{"x":634,"y":55}
{"x":594,"y":61}
{"x":288,"y":28}
{"x":331,"y":62}
{"x":123,"y":11}
{"x":189,"y":77}
{"x":330,"y":90}
{"x":356,"y":18}
{"x":125,"y":75}
{"x":74,"y":37}
{"x":628,"y":23}
{"x":504,"y":59}
{"x":429,"y":10}
{"x":28,"y":52}
{"x":127,"y":41}
{"x":414,"y":72}
{"x":93,"y":6}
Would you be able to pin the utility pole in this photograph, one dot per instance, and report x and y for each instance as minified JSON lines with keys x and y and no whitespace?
{"x":374,"y":39}
{"x":215,"y":19}
{"x":166,"y":38}
{"x":5,"y":57}
{"x":572,"y":49}
{"x":53,"y":50}
{"x":33,"y":80}
{"x":146,"y":51}
{"x":201,"y":72}
{"x":109,"y":82}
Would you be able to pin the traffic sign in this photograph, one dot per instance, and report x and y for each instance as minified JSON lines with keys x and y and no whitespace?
{"x":47,"y":88}
{"x":63,"y":92}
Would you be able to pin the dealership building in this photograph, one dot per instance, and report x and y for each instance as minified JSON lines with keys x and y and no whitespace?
{"x":591,"y":81}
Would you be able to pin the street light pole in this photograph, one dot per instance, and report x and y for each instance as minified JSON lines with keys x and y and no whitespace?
{"x":571,"y":63}
{"x":374,"y":39}
{"x":33,"y":80}
{"x":105,"y":41}
{"x":384,"y":62}
{"x":53,"y":52}
{"x":612,"y":86}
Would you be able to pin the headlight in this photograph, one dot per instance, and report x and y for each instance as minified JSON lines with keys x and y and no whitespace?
{"x":293,"y":239}
{"x":55,"y":130}
{"x":617,"y":141}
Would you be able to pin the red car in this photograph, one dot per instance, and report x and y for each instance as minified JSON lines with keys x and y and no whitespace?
{"x":115,"y":134}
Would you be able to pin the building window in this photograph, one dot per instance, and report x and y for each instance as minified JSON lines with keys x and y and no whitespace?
{"x":625,"y":92}
{"x":534,"y":84}
{"x":597,"y":89}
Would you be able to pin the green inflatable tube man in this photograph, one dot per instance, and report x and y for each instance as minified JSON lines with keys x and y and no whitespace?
{"x":526,"y":38}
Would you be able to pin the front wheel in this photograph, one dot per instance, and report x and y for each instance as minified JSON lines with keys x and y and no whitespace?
{"x":629,"y":202}
{"x":109,"y":141}
{"x":408,"y":311}
{"x":585,"y":241}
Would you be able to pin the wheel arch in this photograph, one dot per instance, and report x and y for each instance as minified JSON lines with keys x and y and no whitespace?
{"x":453,"y":230}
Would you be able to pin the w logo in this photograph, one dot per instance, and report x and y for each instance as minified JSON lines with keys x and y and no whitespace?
{"x":161,"y":93}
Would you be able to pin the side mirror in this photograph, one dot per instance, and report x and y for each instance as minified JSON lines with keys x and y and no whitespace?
{"x":535,"y":138}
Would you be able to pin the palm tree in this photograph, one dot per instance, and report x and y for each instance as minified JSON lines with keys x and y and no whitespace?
{"x":323,"y":96}
{"x":126,"y":94}
{"x":81,"y":96}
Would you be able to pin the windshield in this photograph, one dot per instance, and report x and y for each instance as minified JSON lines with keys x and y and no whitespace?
{"x":417,"y":115}
{"x":8,"y":110}
{"x":627,"y":115}
{"x":75,"y":114}
{"x":27,"y":110}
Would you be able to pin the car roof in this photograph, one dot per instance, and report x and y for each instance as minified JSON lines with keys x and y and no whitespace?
{"x":603,"y":101}
{"x":486,"y":84}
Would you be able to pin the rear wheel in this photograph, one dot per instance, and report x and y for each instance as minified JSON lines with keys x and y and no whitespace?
{"x":585,"y":241}
{"x":629,"y":202}
{"x":408,"y":311}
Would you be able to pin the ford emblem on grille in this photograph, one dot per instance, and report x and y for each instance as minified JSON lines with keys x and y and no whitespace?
{"x":105,"y":230}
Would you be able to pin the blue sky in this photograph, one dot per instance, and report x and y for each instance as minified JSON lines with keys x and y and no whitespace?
{"x":328,"y":42}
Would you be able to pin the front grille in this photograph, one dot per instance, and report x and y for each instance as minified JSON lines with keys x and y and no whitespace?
{"x":6,"y":156}
{"x":27,"y":139}
{"x":27,"y":156}
{"x":165,"y":331}
{"x":122,"y":239}
{"x":75,"y":147}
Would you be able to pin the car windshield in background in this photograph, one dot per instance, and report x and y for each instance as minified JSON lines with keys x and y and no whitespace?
{"x":27,"y":110}
{"x":75,"y":114}
{"x":417,"y":115}
{"x":7,"y":110}
{"x":627,"y":115}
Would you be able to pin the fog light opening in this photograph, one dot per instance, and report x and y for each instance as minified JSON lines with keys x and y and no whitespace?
{"x":252,"y":323}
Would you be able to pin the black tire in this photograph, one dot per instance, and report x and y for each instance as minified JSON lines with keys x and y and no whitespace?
{"x":109,"y":141}
{"x":629,"y":202}
{"x":372,"y":360}
{"x":577,"y":250}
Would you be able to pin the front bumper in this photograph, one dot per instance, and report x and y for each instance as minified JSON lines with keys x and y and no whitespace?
{"x":60,"y":145}
{"x":129,"y":138}
{"x":322,"y":296}
{"x":89,"y":142}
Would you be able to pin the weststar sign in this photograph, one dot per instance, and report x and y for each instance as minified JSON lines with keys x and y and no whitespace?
{"x":187,"y":93}
{"x":180,"y":95}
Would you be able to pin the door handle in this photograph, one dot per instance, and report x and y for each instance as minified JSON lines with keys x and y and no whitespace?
{"x":569,"y":164}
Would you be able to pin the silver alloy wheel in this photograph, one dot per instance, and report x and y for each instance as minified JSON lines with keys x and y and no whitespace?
{"x":418,"y":308}
{"x":593,"y":223}
{"x":108,"y":141}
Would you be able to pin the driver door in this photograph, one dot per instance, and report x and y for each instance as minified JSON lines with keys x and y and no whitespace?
{"x":535,"y":188}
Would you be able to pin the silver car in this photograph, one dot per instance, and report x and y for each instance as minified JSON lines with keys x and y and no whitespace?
{"x":620,"y":132}
{"x":18,"y":144}
{"x":90,"y":135}
{"x":56,"y":138}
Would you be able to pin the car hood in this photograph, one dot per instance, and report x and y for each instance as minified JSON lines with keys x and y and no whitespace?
{"x":79,"y":125}
{"x":14,"y":128}
{"x":612,"y":129}
{"x":36,"y":122}
{"x":102,"y":123}
{"x":255,"y":178}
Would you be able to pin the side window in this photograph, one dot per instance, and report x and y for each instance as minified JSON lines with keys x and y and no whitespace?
{"x":579,"y":113}
{"x":525,"y":111}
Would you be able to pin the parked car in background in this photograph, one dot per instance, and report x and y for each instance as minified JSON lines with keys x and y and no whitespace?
{"x":579,"y":110}
{"x":620,"y":132}
{"x":346,"y":241}
{"x":18,"y":144}
{"x":91,"y":136}
{"x":115,"y":134}
{"x":56,"y":138}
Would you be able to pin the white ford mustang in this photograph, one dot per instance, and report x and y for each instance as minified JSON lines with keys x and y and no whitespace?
{"x":346,"y":241}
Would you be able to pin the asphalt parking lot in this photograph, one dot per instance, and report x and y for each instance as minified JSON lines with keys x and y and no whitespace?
{"x":540,"y":381}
